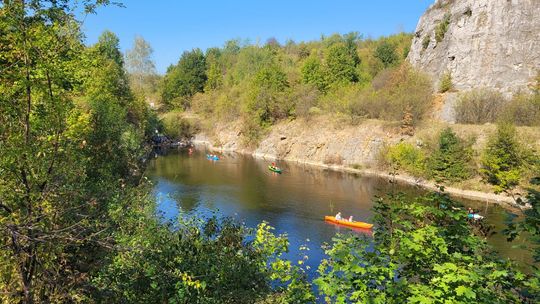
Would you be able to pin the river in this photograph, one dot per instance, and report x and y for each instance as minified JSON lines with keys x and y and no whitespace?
{"x":294,"y":202}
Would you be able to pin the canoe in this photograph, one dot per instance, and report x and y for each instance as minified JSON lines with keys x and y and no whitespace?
{"x":347,"y":223}
{"x":274,"y":169}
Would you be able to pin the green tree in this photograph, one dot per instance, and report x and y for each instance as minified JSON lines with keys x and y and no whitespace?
{"x":451,"y":159}
{"x":502,"y":159}
{"x":52,"y":223}
{"x":184,"y":79}
{"x":214,"y":69}
{"x":340,"y":65}
{"x":268,"y":99}
{"x":386,"y":53}
{"x":313,"y":73}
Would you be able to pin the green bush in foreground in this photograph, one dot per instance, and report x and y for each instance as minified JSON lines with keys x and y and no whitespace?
{"x":423,"y":251}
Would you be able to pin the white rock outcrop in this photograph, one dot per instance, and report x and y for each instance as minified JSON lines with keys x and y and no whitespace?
{"x":488,"y":43}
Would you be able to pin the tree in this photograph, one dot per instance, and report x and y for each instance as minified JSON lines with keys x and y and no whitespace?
{"x":184,"y":79}
{"x":268,"y":95}
{"x":214,"y":69}
{"x":450,"y":161}
{"x":139,"y":63}
{"x":48,"y":213}
{"x":313,"y":73}
{"x":340,"y":66}
{"x":386,"y":53}
{"x":502,"y":159}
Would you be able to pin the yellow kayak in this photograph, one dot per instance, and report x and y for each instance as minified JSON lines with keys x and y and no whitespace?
{"x":347,"y":223}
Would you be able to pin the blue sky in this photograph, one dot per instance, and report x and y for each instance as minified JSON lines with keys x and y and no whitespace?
{"x":172,"y":27}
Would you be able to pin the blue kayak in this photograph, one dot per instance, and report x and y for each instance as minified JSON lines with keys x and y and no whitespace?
{"x":210,"y":157}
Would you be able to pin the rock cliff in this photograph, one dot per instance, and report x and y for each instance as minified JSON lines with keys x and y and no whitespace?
{"x":481,"y":43}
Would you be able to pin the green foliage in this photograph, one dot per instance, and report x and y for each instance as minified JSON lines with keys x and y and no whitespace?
{"x":386,"y":53}
{"x":442,"y":27}
{"x":175,"y":126}
{"x":479,"y":106}
{"x":445,"y":83}
{"x":340,"y":65}
{"x":405,"y":156}
{"x":268,"y":98}
{"x":69,"y":149}
{"x":503,"y":159}
{"x":184,"y":79}
{"x":425,"y":42}
{"x":423,"y":251}
{"x":313,"y":73}
{"x":200,"y":261}
{"x":451,"y":160}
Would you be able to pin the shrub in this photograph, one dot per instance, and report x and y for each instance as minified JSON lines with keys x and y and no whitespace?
{"x":442,"y":27}
{"x":523,"y":110}
{"x":334,"y":159}
{"x":425,"y":42}
{"x":305,"y":97}
{"x":405,"y":89}
{"x":445,"y":84}
{"x":451,"y":159}
{"x":176,"y":126}
{"x":502,"y":159}
{"x":479,"y":106}
{"x":386,"y":53}
{"x":405,"y":156}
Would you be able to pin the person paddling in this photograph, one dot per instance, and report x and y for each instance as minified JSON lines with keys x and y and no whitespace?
{"x":338,"y":216}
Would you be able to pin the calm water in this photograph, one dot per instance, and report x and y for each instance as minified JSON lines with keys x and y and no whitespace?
{"x":294,"y":202}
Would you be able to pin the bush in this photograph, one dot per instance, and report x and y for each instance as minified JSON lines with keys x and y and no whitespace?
{"x":175,"y":126}
{"x":425,"y":42}
{"x":479,"y":106}
{"x":405,"y":156}
{"x":451,"y":159}
{"x":386,"y":53}
{"x":442,"y":27}
{"x":405,"y":89}
{"x":523,"y":110}
{"x":445,"y":84}
{"x":502,"y":159}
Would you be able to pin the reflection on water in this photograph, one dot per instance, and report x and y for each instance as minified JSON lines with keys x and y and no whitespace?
{"x":294,"y":202}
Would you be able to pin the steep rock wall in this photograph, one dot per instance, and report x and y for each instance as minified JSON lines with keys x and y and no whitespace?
{"x":488,"y":43}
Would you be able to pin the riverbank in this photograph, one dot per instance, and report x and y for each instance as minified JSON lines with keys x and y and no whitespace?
{"x":329,"y":144}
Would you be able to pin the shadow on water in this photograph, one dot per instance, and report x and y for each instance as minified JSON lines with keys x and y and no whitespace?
{"x":294,"y":202}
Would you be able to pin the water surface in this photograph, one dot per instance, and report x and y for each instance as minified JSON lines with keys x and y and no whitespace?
{"x":294,"y":202}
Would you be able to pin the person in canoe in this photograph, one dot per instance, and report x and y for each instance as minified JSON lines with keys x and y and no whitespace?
{"x":351,"y":218}
{"x":338,"y":216}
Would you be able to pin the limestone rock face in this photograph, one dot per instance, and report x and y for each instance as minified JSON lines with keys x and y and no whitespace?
{"x":488,"y":43}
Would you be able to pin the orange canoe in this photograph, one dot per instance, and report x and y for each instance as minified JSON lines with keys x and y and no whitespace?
{"x":347,"y":223}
